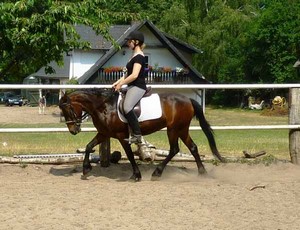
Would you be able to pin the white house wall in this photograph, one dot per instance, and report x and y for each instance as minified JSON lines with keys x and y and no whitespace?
{"x":158,"y":55}
{"x":120,"y":58}
{"x":81,"y":61}
{"x":161,"y":57}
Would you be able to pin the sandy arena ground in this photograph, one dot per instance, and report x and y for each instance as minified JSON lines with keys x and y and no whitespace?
{"x":55,"y":197}
{"x":231,"y":196}
{"x":29,"y":115}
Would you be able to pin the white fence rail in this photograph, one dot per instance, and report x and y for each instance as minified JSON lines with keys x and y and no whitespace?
{"x":190,"y":86}
{"x":194,"y":128}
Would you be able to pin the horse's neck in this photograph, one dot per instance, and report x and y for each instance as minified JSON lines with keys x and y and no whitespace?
{"x":94,"y":104}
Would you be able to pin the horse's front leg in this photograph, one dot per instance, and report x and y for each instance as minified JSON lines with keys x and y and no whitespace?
{"x":136,"y":176}
{"x":87,"y":167}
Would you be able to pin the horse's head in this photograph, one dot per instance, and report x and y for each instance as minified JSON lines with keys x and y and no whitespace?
{"x":72,"y":113}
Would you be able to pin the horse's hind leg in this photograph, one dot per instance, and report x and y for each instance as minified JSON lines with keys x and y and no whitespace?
{"x":174,"y":149}
{"x":194,"y":151}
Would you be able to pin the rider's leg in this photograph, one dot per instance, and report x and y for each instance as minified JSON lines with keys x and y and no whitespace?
{"x":132,"y":120}
{"x":133,"y":95}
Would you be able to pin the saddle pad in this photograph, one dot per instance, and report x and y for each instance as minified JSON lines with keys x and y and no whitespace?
{"x":150,"y":108}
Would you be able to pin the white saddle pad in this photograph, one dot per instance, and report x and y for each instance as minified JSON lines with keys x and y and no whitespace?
{"x":150,"y":108}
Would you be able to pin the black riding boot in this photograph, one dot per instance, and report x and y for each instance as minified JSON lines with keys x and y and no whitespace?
{"x":135,"y":127}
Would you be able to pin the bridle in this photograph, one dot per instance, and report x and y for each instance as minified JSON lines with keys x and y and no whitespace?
{"x":74,"y":118}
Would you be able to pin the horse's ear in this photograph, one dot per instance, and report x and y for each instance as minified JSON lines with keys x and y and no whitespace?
{"x":64,"y":97}
{"x":64,"y":94}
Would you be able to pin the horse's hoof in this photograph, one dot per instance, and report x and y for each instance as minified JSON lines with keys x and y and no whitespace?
{"x":223,"y":160}
{"x":84,"y":177}
{"x":135,"y":178}
{"x":202,"y":171}
{"x":157,"y":173}
{"x":86,"y":170}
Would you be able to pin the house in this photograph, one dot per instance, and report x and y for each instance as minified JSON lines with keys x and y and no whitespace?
{"x":168,"y":59}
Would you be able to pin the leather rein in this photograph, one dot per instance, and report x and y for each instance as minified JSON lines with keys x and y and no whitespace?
{"x":76,"y":120}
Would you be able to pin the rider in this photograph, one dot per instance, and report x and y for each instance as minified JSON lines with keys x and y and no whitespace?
{"x":135,"y":79}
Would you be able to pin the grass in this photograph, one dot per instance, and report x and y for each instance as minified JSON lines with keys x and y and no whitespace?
{"x":230,"y":142}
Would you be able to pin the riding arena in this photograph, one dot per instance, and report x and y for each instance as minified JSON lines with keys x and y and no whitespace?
{"x":80,"y":194}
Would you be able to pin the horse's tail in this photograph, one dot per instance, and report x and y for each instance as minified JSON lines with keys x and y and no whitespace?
{"x":206,"y":129}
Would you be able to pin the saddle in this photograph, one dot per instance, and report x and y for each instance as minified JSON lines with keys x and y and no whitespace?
{"x":137,"y":107}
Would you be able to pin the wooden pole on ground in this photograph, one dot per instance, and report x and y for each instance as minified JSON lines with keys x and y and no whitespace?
{"x":104,"y":153}
{"x":294,"y":119}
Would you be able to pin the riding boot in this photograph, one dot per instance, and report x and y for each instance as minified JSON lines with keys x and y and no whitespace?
{"x":132,"y":120}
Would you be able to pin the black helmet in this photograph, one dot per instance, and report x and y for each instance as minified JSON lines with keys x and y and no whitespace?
{"x":136,"y":35}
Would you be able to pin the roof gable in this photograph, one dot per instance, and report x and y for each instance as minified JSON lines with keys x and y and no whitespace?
{"x":169,"y":42}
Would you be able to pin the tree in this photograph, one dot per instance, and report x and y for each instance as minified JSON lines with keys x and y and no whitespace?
{"x":33,"y":33}
{"x":273,"y":43}
{"x":175,"y":15}
{"x":218,"y":29}
{"x":152,"y":9}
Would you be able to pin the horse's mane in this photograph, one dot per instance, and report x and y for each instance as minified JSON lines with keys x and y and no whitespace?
{"x":108,"y":94}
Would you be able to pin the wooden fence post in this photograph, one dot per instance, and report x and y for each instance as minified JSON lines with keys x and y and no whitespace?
{"x":104,"y":153}
{"x":294,"y":119}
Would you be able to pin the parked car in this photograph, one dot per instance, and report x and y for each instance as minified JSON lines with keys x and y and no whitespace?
{"x":5,"y":95}
{"x":14,"y":100}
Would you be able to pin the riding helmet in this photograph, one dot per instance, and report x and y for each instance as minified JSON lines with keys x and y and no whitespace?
{"x":136,"y":35}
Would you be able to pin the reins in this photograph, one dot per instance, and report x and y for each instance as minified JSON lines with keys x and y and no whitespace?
{"x":76,"y":120}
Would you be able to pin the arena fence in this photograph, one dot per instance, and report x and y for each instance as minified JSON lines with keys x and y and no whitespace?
{"x":294,"y":108}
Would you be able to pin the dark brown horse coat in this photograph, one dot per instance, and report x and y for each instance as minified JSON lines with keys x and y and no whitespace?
{"x":177,"y":113}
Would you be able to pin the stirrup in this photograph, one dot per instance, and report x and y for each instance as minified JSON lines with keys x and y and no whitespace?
{"x":134,"y":139}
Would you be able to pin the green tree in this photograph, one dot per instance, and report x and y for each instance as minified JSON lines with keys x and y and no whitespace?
{"x":175,"y":15}
{"x":34,"y":32}
{"x":152,"y":9}
{"x":216,"y":27}
{"x":273,"y":43}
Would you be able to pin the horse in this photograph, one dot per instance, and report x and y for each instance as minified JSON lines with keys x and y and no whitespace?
{"x":101,"y":104}
{"x":42,"y":105}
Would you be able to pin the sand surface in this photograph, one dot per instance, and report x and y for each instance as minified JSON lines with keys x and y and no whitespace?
{"x":55,"y":197}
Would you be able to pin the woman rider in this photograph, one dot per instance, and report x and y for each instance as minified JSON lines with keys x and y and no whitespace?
{"x":135,"y":79}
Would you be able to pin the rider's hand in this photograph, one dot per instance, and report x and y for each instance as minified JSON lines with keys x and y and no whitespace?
{"x":114,"y":85}
{"x":117,"y":87}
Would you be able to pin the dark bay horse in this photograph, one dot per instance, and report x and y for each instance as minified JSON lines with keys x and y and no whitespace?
{"x":101,"y":105}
